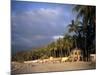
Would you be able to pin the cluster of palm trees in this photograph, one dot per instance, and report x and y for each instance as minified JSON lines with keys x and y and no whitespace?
{"x":84,"y":28}
{"x":61,"y":47}
{"x":82,"y":31}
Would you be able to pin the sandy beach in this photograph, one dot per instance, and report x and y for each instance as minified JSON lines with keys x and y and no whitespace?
{"x":26,"y":68}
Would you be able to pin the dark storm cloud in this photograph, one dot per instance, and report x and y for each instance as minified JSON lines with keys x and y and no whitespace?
{"x":37,"y":27}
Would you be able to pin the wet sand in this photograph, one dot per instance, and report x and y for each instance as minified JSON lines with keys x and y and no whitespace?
{"x":26,"y":68}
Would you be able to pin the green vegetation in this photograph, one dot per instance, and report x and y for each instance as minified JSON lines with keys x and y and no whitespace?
{"x":83,"y":30}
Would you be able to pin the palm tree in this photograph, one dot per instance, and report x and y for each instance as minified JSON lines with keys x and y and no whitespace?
{"x":87,"y":14}
{"x":68,"y":43}
{"x":74,"y":28}
{"x":59,"y":46}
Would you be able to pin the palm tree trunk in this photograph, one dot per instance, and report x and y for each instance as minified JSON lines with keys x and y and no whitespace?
{"x":75,"y":43}
{"x":85,"y":49}
{"x":54,"y":53}
{"x":61,"y":52}
{"x":68,"y":51}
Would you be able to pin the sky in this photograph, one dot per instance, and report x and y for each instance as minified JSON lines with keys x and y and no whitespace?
{"x":35,"y":24}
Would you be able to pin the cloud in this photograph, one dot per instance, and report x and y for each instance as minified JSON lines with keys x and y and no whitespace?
{"x":42,"y":19}
{"x":57,"y":37}
{"x":37,"y":27}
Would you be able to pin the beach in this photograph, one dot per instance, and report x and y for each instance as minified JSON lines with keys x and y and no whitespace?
{"x":27,"y":68}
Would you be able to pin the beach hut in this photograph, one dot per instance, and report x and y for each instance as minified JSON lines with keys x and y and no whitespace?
{"x":76,"y":55}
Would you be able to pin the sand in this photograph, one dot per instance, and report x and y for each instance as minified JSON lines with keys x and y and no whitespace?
{"x":26,"y":68}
